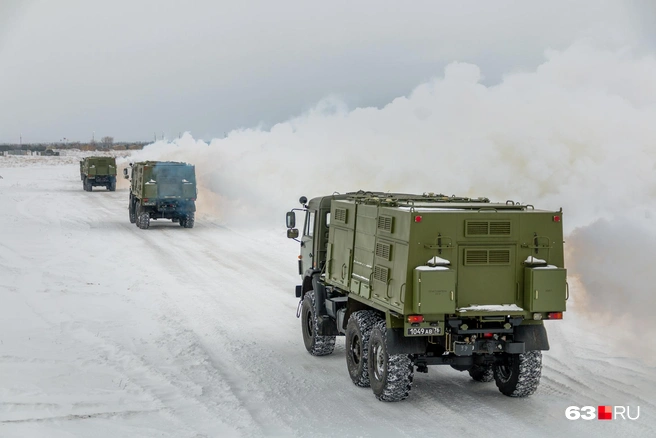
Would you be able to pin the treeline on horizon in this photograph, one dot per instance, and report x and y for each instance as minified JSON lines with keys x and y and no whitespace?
{"x":88,"y":146}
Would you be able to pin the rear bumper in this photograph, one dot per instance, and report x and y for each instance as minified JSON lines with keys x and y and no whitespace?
{"x":169,"y":209}
{"x":101,"y":180}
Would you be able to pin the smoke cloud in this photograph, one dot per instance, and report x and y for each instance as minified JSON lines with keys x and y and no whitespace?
{"x":611,"y":265}
{"x":577,"y":133}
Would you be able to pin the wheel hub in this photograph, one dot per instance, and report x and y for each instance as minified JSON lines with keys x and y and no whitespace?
{"x":379,"y":366}
{"x":356,"y":350}
{"x":308,"y":324}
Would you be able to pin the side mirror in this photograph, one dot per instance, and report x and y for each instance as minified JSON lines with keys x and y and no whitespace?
{"x":291,"y":219}
{"x":125,"y":173}
{"x":292,"y":233}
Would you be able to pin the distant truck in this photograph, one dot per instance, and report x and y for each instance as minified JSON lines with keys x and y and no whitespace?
{"x":98,"y":171}
{"x":162,"y":190}
{"x":418,"y":280}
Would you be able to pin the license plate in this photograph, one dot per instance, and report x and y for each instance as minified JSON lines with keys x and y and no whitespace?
{"x":423,"y":331}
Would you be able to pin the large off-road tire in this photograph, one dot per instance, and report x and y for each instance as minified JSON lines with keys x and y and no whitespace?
{"x":482,"y":373}
{"x":87,"y":184}
{"x":316,"y":345}
{"x":112,"y":185}
{"x":390,"y":376}
{"x":358,"y":331}
{"x":187,"y":220}
{"x":519,"y":374}
{"x":143,"y":221}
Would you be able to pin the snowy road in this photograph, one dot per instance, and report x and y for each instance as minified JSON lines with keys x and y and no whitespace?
{"x":107,"y":330}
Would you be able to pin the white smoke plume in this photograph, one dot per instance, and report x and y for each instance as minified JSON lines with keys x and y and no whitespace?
{"x":579,"y":132}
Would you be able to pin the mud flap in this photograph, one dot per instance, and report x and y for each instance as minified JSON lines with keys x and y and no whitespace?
{"x":533,"y":336}
{"x":399,"y":344}
{"x":327,"y":326}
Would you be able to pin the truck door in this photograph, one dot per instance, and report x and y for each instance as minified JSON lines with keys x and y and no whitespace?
{"x":307,"y":240}
{"x":486,"y":275}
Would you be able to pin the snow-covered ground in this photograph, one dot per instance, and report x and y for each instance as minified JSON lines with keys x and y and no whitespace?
{"x":107,"y":330}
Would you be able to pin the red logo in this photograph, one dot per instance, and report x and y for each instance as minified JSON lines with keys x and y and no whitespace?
{"x":604,"y":413}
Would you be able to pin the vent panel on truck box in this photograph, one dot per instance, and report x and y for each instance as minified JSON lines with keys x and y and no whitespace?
{"x":496,"y":228}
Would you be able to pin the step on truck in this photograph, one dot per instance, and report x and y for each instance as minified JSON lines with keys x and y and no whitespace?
{"x":161,"y":190}
{"x":98,"y":171}
{"x":418,"y":280}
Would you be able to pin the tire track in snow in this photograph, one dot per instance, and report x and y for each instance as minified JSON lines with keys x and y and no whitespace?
{"x":221,"y":358}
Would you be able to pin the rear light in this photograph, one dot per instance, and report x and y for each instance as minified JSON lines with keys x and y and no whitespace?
{"x":417,"y":219}
{"x":556,"y":218}
{"x":415,"y":318}
{"x":488,"y":335}
{"x":555,"y":315}
{"x":145,"y":199}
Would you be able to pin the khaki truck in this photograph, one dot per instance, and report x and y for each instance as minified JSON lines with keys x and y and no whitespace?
{"x":161,"y":190}
{"x":417,"y":280}
{"x":98,"y":171}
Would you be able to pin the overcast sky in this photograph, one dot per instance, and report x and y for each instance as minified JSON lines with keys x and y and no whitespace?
{"x":133,"y":68}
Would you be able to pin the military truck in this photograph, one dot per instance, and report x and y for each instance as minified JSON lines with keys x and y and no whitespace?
{"x":161,"y":190}
{"x":418,"y":280}
{"x":98,"y":171}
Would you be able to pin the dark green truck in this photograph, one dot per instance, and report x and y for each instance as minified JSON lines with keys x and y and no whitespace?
{"x":419,"y":280}
{"x":162,"y":190}
{"x":98,"y":171}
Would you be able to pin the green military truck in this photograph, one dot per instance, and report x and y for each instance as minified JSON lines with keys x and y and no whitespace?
{"x":98,"y":171}
{"x":162,"y":190}
{"x":418,"y":280}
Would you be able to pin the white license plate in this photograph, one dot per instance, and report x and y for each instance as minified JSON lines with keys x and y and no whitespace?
{"x":423,"y":331}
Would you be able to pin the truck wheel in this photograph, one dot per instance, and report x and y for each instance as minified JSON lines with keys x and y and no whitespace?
{"x":316,"y":345}
{"x":143,"y":221}
{"x":188,"y":220}
{"x":390,"y":375}
{"x":86,"y":185}
{"x":482,"y":373}
{"x":519,"y":374}
{"x":358,"y":331}
{"x":112,"y":186}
